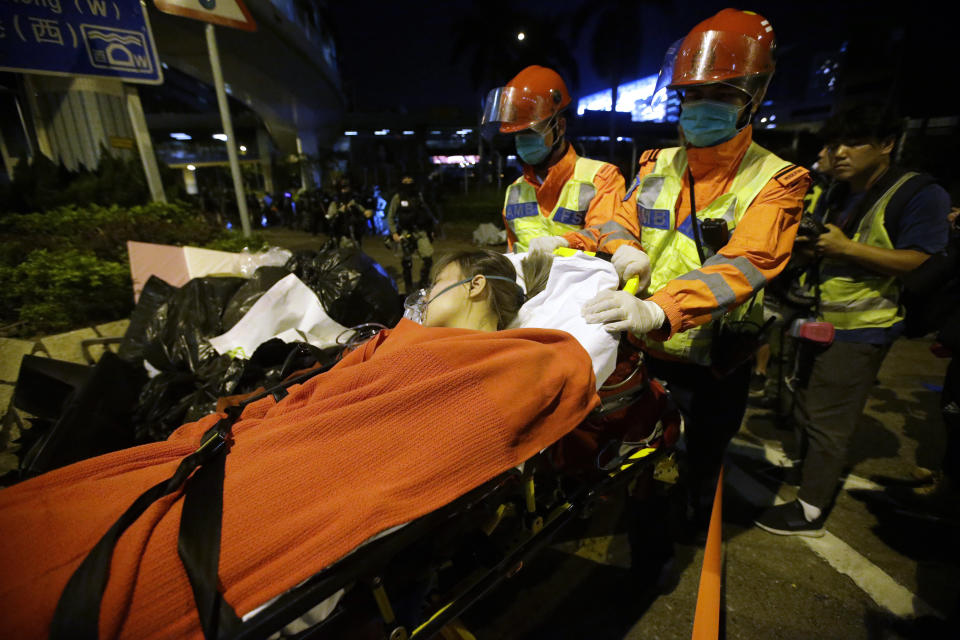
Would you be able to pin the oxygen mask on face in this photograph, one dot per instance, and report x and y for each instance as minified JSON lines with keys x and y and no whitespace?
{"x":415,"y":304}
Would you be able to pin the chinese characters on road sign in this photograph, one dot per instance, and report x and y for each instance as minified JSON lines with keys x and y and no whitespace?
{"x":78,"y":37}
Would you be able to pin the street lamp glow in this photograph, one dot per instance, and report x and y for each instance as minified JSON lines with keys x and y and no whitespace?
{"x":222,"y":137}
{"x":243,"y":149}
{"x":181,"y":136}
{"x":191,"y":167}
{"x":521,"y":36}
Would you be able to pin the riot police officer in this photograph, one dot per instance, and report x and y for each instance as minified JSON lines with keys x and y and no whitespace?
{"x":411,"y":226}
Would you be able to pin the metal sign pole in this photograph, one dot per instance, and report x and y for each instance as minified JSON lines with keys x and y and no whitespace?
{"x":144,"y":144}
{"x":228,"y":129}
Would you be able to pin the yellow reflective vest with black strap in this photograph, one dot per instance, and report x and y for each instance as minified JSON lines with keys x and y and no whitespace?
{"x":527,"y":221}
{"x":673,"y":250}
{"x":852,"y":297}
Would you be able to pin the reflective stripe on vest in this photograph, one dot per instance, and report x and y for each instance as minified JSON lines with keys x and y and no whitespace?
{"x":673,"y":250}
{"x":856,"y":298}
{"x":527,"y":221}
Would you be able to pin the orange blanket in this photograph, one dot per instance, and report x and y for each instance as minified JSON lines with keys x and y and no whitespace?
{"x":400,"y":427}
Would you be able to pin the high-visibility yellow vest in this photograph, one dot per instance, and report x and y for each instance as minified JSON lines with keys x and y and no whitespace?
{"x":852,"y":297}
{"x":812,"y":199}
{"x":673,"y":250}
{"x":527,"y":221}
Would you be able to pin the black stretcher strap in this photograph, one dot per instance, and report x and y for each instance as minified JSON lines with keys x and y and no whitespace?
{"x":199,"y":547}
{"x":77,"y":615}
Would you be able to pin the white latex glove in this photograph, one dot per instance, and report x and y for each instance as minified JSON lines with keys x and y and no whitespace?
{"x":547,"y":244}
{"x":630,"y":261}
{"x":621,"y":311}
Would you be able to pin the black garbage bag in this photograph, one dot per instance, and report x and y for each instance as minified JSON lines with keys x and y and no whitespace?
{"x":275,"y":360}
{"x":352,"y":287}
{"x":249,"y":292}
{"x":171,"y":399}
{"x":154,"y":294}
{"x":176,"y":335}
{"x":93,"y":411}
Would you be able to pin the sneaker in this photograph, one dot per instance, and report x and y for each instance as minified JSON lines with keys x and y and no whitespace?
{"x":924,"y":475}
{"x":939,"y":498}
{"x":788,"y":520}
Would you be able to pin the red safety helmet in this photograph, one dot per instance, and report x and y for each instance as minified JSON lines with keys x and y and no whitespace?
{"x":531,"y":100}
{"x":733,"y":47}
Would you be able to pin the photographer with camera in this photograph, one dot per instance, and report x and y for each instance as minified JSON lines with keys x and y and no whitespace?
{"x":411,"y":226}
{"x":880,"y":222}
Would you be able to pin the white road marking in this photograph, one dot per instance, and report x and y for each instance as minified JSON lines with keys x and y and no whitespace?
{"x":773,"y":453}
{"x":876,"y":583}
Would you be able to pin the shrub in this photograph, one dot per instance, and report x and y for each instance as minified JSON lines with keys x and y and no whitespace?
{"x":102,"y":230}
{"x":56,"y":290}
{"x":68,"y":267}
{"x":42,"y":185}
{"x":234,"y":241}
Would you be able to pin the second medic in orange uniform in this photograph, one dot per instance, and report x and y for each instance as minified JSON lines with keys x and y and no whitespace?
{"x":562,"y":199}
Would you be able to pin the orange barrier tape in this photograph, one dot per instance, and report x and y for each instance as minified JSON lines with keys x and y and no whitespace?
{"x":706,"y":620}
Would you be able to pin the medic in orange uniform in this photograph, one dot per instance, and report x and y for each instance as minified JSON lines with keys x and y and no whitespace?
{"x":561,"y":200}
{"x":706,"y":266}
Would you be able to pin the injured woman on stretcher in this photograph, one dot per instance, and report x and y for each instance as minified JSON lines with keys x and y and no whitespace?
{"x":402,"y":425}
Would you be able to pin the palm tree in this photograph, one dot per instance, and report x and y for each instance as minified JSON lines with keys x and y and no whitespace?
{"x":613,"y":29}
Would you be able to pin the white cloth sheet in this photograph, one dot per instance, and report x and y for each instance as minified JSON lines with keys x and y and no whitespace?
{"x":573,"y":281}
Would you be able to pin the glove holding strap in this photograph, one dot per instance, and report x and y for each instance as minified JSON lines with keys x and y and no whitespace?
{"x":629,"y":262}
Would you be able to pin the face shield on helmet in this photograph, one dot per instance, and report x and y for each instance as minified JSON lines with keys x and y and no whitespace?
{"x":531,"y":99}
{"x":514,"y":109}
{"x":722,"y":57}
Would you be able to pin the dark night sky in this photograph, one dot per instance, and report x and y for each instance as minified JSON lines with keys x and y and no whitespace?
{"x":399,"y":55}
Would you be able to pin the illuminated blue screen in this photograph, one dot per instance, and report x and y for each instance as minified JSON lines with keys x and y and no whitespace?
{"x":635,"y":98}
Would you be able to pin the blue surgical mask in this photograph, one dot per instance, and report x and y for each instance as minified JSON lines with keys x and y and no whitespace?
{"x":532,"y":148}
{"x":709,"y":122}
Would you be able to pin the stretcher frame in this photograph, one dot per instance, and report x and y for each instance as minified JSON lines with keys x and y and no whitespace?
{"x":514,"y":492}
{"x":540,"y":524}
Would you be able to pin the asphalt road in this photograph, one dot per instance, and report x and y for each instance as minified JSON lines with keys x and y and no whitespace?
{"x":881,"y":572}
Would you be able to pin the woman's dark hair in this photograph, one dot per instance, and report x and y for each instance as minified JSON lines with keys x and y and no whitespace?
{"x":505,"y":297}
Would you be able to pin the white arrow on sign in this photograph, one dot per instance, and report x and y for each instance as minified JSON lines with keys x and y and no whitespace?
{"x":227,"y":13}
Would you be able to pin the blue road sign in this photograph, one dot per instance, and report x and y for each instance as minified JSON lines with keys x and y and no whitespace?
{"x":108,"y":38}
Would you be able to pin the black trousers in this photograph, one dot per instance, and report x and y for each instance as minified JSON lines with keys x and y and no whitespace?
{"x":950,"y":410}
{"x":712,"y":410}
{"x":827,"y":411}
